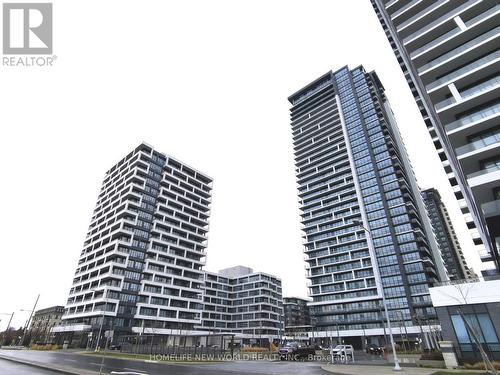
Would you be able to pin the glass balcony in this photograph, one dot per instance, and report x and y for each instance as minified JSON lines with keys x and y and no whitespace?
{"x":459,"y":50}
{"x":403,"y":9}
{"x":445,"y":103}
{"x":485,"y":86}
{"x":491,"y":209}
{"x":483,"y":172}
{"x":476,"y":90}
{"x":477,"y":145}
{"x":476,"y":116}
{"x":435,"y":42}
{"x":479,"y":18}
{"x":464,"y":70}
{"x":420,"y":14}
{"x":438,"y":21}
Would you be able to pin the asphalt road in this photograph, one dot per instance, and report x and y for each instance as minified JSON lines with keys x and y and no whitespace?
{"x":84,"y":363}
{"x":11,"y":368}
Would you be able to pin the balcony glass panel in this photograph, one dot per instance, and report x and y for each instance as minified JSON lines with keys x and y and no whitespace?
{"x":453,"y":53}
{"x":481,"y":143}
{"x":403,"y":9}
{"x":445,"y":103}
{"x":422,"y":13}
{"x":464,"y":70}
{"x":478,"y":89}
{"x":491,"y":209}
{"x":436,"y":41}
{"x":479,"y":18}
{"x":485,"y":86}
{"x":484,"y":171}
{"x":476,"y":116}
{"x":440,"y":20}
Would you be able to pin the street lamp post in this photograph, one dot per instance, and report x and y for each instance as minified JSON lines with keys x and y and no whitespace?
{"x":29,"y":319}
{"x":396,"y":360}
{"x":105,"y":292}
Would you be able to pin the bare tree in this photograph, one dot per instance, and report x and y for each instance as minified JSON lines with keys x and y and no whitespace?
{"x":464,"y":290}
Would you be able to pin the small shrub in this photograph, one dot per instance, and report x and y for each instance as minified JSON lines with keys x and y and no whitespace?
{"x":255,"y":350}
{"x":481,"y":365}
{"x":45,"y":347}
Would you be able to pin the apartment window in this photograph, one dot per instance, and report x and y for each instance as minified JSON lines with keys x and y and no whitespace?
{"x":496,"y":193}
{"x":482,"y":326}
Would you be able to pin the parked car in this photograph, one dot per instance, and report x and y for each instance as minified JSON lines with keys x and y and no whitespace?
{"x":342,"y":350}
{"x":374,"y":349}
{"x":294,"y":351}
{"x":115,"y":347}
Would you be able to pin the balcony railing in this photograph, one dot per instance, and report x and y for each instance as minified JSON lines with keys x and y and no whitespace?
{"x":464,"y":70}
{"x":477,"y":145}
{"x":422,"y":13}
{"x":476,"y":116}
{"x":459,"y":50}
{"x":491,"y":209}
{"x":438,"y":21}
{"x":475,"y":90}
{"x":435,"y":42}
{"x":484,"y":171}
{"x":482,"y":87}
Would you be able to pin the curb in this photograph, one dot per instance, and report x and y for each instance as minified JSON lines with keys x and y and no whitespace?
{"x":42,"y":366}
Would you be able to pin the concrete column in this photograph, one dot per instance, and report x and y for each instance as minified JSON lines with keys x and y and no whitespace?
{"x":450,"y":358}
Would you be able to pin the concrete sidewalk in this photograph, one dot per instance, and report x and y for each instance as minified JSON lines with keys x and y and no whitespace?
{"x":384,"y":370}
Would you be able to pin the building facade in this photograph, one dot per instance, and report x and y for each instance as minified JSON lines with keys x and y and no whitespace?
{"x":448,"y":51}
{"x":246,"y":303}
{"x":475,"y":303}
{"x":43,"y":321}
{"x":140,"y":269}
{"x":297,"y":318}
{"x":452,"y":254}
{"x":296,"y":311}
{"x":366,"y":231}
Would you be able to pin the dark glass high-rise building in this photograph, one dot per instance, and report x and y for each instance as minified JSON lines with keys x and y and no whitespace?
{"x":366,"y":231}
{"x":452,"y":254}
{"x":448,"y":52}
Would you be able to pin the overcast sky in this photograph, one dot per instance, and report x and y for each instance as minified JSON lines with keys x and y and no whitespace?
{"x":204,"y":81}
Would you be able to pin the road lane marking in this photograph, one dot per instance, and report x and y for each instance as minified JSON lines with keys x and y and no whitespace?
{"x":71,"y":360}
{"x":134,"y":369}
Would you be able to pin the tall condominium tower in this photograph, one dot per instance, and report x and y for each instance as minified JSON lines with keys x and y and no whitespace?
{"x":448,"y":51}
{"x":365,"y":227}
{"x":141,"y":263}
{"x":446,"y":237}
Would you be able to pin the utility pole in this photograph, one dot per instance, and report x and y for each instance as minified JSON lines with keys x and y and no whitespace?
{"x":8,"y":325}
{"x":29,"y":320}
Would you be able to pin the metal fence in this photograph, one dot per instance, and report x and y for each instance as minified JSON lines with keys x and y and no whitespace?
{"x":176,"y":345}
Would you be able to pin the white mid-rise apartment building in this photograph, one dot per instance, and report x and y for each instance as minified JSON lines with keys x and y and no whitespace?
{"x":246,"y":303}
{"x":141,"y":264}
